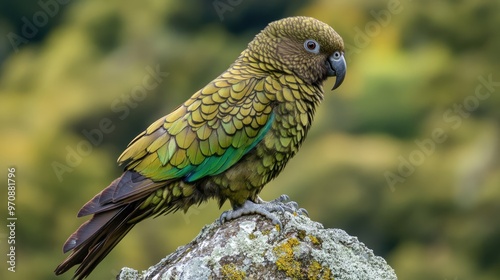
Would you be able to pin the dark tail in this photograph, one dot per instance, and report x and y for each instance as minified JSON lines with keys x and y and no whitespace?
{"x":101,"y":234}
{"x":116,"y":210}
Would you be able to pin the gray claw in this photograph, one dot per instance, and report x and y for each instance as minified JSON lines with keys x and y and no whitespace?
{"x":266,"y":209}
{"x":282,"y":198}
{"x":293,"y":204}
{"x":303,"y":211}
{"x":250,"y":207}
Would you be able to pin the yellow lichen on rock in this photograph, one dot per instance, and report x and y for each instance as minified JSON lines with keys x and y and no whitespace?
{"x":231,"y":272}
{"x":286,"y":261}
{"x":316,"y":271}
{"x":314,"y":240}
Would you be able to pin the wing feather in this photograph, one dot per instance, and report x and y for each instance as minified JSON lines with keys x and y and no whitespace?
{"x":206,"y":135}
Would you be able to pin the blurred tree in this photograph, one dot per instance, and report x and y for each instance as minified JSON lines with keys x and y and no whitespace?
{"x":417,"y":74}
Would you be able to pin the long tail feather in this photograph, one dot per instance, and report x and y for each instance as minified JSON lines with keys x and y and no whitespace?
{"x":115,"y":212}
{"x":100,"y":235}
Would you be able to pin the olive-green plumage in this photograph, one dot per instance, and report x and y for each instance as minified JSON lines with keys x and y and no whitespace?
{"x":226,"y":142}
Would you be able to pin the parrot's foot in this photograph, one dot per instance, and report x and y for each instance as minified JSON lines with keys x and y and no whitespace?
{"x":265,"y":209}
{"x":287,"y":205}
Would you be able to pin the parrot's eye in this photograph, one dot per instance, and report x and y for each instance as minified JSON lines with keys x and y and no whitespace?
{"x":311,"y":46}
{"x":337,"y":55}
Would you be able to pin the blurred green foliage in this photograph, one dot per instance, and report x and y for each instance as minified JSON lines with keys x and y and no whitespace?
{"x":416,"y":69}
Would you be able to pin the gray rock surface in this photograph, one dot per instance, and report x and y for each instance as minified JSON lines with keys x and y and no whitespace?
{"x":251,"y":247}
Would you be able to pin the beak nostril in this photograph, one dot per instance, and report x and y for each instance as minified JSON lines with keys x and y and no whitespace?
{"x":337,"y":67}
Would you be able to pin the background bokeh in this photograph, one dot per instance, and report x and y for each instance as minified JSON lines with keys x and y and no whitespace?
{"x":404,"y":155}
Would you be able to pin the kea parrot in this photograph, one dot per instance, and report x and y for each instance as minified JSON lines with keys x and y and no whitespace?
{"x":225,"y":142}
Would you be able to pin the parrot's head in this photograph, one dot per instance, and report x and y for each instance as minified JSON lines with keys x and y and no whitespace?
{"x":305,"y":46}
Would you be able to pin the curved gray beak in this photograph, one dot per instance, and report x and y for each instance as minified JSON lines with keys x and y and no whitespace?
{"x":337,"y":67}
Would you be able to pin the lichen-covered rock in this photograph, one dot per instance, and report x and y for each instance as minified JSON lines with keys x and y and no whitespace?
{"x":251,"y":247}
